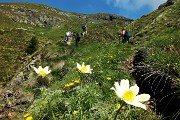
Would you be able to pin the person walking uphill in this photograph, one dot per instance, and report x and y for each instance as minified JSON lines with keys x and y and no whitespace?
{"x":77,"y":37}
{"x":84,"y":29}
{"x":125,"y":36}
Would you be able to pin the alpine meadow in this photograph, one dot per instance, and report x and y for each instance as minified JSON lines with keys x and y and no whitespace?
{"x":44,"y":78}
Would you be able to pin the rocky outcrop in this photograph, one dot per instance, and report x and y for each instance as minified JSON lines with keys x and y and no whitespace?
{"x":33,"y":17}
{"x":13,"y":97}
{"x":166,"y":4}
{"x":107,"y":17}
{"x":30,"y":16}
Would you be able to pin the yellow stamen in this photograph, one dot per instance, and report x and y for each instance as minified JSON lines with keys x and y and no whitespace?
{"x":42,"y":73}
{"x":83,"y":69}
{"x":129,"y":95}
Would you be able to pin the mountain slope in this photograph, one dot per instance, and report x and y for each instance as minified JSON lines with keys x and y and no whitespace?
{"x":20,"y":22}
{"x":58,"y":96}
{"x":157,"y":64}
{"x":42,"y":29}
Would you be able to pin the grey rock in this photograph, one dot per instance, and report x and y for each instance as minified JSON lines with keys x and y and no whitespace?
{"x":166,"y":4}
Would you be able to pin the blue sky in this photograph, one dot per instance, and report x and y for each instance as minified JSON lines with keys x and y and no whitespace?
{"x":128,"y":8}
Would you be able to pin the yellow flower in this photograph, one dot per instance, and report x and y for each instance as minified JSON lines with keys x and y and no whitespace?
{"x":130,"y":94}
{"x":108,"y":78}
{"x":75,"y":112}
{"x":77,"y":81}
{"x":101,"y":71}
{"x":71,"y":84}
{"x":42,"y":71}
{"x":67,"y":85}
{"x":84,"y":68}
{"x":118,"y":106}
{"x":29,"y":118}
{"x":26,"y":115}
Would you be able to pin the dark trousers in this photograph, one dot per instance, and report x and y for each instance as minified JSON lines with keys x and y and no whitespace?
{"x":125,"y":39}
{"x":77,"y":40}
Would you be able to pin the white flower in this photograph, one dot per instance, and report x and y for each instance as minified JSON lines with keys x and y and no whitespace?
{"x":42,"y":71}
{"x":130,"y":94}
{"x":84,"y":68}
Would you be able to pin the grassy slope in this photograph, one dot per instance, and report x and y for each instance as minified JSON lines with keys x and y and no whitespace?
{"x":107,"y":58}
{"x":103,"y":53}
{"x":159,"y":33}
{"x":16,"y":36}
{"x":101,"y":50}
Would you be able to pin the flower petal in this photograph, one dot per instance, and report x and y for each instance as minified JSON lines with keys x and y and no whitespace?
{"x":35,"y":69}
{"x":143,"y":97}
{"x":113,"y":88}
{"x":78,"y":66}
{"x":135,"y":88}
{"x":46,"y":68}
{"x":83,"y":64}
{"x":117,"y":86}
{"x":124,"y":84}
{"x":40,"y":68}
{"x":119,"y":91}
{"x":88,"y":68}
{"x":137,"y":104}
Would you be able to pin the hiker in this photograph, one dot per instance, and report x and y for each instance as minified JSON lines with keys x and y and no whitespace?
{"x":125,"y":35}
{"x":84,"y":29}
{"x":77,"y":37}
{"x":68,"y":38}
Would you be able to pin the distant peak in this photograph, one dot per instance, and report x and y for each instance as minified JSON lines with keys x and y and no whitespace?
{"x":168,"y":3}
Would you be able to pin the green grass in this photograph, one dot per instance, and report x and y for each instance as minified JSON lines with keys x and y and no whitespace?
{"x":92,"y":97}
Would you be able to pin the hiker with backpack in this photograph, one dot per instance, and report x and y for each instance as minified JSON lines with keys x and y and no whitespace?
{"x":125,"y":36}
{"x":84,"y":29}
{"x":77,"y":37}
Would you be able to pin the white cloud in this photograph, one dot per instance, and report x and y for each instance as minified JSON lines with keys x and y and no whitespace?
{"x":131,"y":5}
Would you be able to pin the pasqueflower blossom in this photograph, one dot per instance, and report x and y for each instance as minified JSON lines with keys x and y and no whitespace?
{"x":130,"y":94}
{"x":42,"y":71}
{"x":84,"y":68}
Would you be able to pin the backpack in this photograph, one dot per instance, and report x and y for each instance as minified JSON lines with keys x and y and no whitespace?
{"x":78,"y":35}
{"x":127,"y":33}
{"x":83,"y":26}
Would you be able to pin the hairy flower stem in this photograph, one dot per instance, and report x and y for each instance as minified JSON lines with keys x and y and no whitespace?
{"x":119,"y":110}
{"x":81,"y":86}
{"x":81,"y":79}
